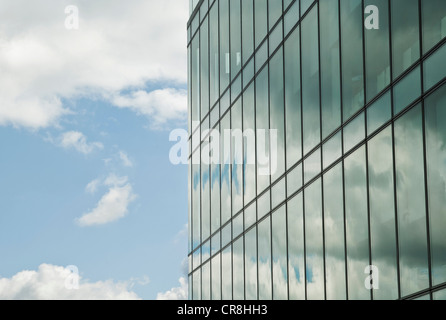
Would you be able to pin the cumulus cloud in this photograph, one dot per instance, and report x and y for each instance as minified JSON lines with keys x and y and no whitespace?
{"x":113,"y":205}
{"x":49,"y":282}
{"x":118,"y":49}
{"x":78,"y":141}
{"x":177,"y":293}
{"x":93,"y":186}
{"x":125,"y":159}
{"x":159,"y":105}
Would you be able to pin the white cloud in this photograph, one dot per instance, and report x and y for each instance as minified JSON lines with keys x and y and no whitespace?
{"x":93,"y":186}
{"x":125,"y":159}
{"x":78,"y":141}
{"x":177,"y":293}
{"x":118,"y":48}
{"x":159,"y":105}
{"x":49,"y":283}
{"x":113,"y":205}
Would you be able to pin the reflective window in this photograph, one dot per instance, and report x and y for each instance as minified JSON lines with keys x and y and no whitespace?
{"x":312,"y":166}
{"x":405,"y":35}
{"x":206,"y":282}
{"x":432,"y":73}
{"x":293,"y":99}
{"x":225,"y":56}
{"x":214,"y":55}
{"x":238,"y":272}
{"x":277,"y":122}
{"x":225,"y":158}
{"x":377,"y":51}
{"x":251,"y":264}
{"x":264,"y":259}
{"x":216,"y":277}
{"x":440,"y":295}
{"x":296,"y":265}
{"x":411,"y":202}
{"x":407,"y":90}
{"x":274,"y":12}
{"x":261,"y":22}
{"x":249,"y":146}
{"x":334,"y":234}
{"x":294,"y":180}
{"x":226,"y":275}
{"x":262,"y":128}
{"x":196,"y":286}
{"x":354,"y":132}
{"x":330,"y":66}
{"x":314,"y":242}
{"x":352,"y":58}
{"x":332,"y":149}
{"x":379,"y":113}
{"x":356,"y":220}
{"x":204,"y":68}
{"x":236,"y":50}
{"x":434,"y":22}
{"x":278,"y":193}
{"x":247,"y":29}
{"x":279,"y":247}
{"x":310,"y":81}
{"x":237,"y":157}
{"x":382,"y":214}
{"x":435,"y":108}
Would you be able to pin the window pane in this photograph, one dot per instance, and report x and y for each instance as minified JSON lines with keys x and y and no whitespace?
{"x":432,"y":72}
{"x":352,"y":61}
{"x":379,"y":113}
{"x":436,"y":176}
{"x":225,"y":171}
{"x":226,"y":276}
{"x":292,"y":99}
{"x":196,"y":216}
{"x":238,"y":273}
{"x":277,"y":142}
{"x":278,"y":193}
{"x":262,"y":128}
{"x":196,"y":289}
{"x":312,"y":165}
{"x":216,"y":278}
{"x":195,"y":81}
{"x":382,"y":214}
{"x":261,"y":23}
{"x":314,"y":242}
{"x":247,"y":29}
{"x":279,"y":245}
{"x":251,"y":264}
{"x":377,"y":51}
{"x":434,"y":22}
{"x":249,"y":154}
{"x":213,"y":55}
{"x":236,"y":51}
{"x":204,"y":58}
{"x":334,"y":234}
{"x":225,"y":56}
{"x":237,"y":157}
{"x":356,"y":224}
{"x":206,"y":282}
{"x":407,"y":90}
{"x":332,"y":149}
{"x":294,"y":180}
{"x":330,"y":68}
{"x":354,"y":132}
{"x":411,"y":202}
{"x":405,"y":35}
{"x":264,"y":249}
{"x":440,"y":295}
{"x":296,"y":267}
{"x":274,"y":12}
{"x":310,"y":82}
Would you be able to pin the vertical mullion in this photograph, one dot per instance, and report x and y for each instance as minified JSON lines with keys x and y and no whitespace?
{"x":302,"y":150}
{"x":342,"y":147}
{"x":285,"y":153}
{"x":423,"y":114}
{"x":322,"y":155}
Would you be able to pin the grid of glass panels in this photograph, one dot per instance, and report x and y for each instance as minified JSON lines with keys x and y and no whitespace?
{"x":360,"y":178}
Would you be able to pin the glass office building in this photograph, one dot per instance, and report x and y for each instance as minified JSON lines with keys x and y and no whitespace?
{"x":346,"y":99}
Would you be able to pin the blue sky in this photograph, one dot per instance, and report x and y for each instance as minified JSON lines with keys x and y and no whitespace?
{"x":85,"y":176}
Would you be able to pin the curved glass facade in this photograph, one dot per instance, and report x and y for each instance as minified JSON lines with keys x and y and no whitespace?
{"x":318,"y":158}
